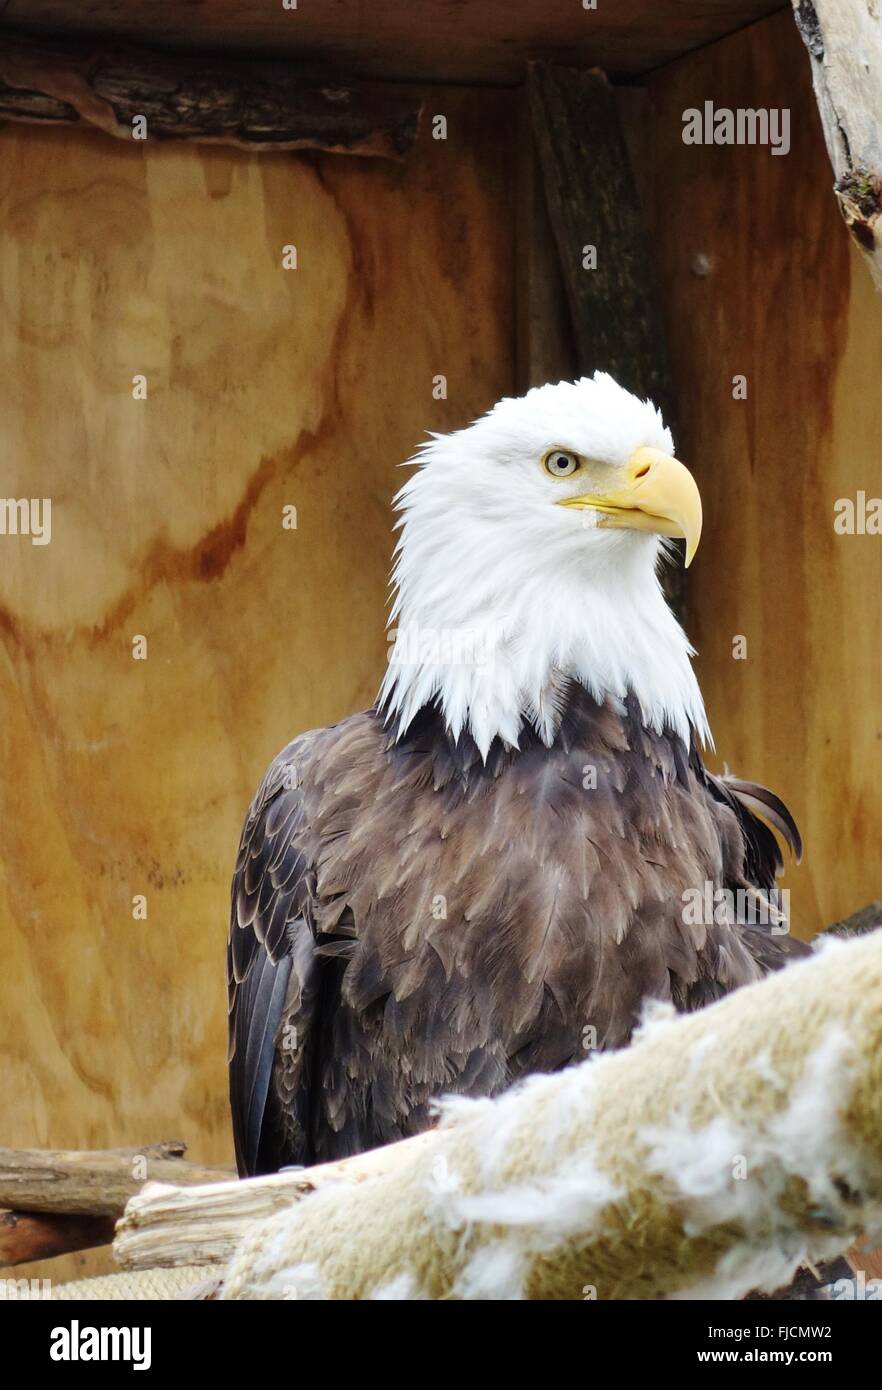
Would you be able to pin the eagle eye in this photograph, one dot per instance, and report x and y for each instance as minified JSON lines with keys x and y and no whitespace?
{"x":560,"y":463}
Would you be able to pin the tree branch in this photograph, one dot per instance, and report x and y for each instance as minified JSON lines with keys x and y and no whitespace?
{"x":254,"y":105}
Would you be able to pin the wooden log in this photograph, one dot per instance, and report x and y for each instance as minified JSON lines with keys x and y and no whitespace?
{"x":865,"y":919}
{"x":165,"y":1226}
{"x":93,"y":1183}
{"x":597,"y":220}
{"x":844,"y":40}
{"x":256,"y":106}
{"x":26,"y":1236}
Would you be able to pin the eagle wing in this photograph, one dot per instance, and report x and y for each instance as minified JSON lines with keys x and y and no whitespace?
{"x":273,"y":973}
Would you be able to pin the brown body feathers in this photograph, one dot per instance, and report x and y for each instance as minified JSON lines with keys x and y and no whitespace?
{"x":409,"y":921}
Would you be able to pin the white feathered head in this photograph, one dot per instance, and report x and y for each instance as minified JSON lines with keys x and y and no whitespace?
{"x":528,"y":556}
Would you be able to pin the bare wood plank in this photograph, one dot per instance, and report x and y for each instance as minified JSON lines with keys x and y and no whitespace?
{"x":93,"y":1182}
{"x":266,"y":106}
{"x":844,"y":40}
{"x":28,"y":1236}
{"x":434,"y":41}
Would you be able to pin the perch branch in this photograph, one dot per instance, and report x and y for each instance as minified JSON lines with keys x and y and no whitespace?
{"x":167,"y":1226}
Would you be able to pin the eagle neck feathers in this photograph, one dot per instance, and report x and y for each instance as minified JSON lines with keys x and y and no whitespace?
{"x":504,"y":671}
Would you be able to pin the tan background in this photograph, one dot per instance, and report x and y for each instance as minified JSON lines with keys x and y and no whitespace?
{"x":265,"y":387}
{"x":269,"y":387}
{"x":790,"y":305}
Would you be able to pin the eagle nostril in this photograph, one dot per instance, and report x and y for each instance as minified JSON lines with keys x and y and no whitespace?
{"x":642,"y":470}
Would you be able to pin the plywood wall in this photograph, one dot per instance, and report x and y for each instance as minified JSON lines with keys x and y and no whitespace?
{"x":780,"y":298}
{"x":266,"y":387}
{"x":270,"y":387}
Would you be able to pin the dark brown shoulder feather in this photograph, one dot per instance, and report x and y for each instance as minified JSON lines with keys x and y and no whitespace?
{"x":753,"y":805}
{"x":766,"y":804}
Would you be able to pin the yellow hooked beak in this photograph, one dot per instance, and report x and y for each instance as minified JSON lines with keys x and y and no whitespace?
{"x":658,"y":495}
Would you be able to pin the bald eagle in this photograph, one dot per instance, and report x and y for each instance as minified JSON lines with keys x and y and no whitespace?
{"x":485,"y":874}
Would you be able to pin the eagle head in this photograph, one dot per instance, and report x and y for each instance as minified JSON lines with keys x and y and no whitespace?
{"x":528,"y":558}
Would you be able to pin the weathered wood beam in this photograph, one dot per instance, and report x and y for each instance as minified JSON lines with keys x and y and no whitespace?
{"x":544,"y":347}
{"x":844,"y":41}
{"x":256,"y":106}
{"x":26,"y":1236}
{"x":93,"y":1182}
{"x":597,"y":220}
{"x":164,"y":1226}
{"x":593,"y":202}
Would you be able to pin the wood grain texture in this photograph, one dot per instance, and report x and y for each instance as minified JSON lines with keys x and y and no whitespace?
{"x":26,"y":1238}
{"x":444,"y":40}
{"x":93,"y":1183}
{"x":783,"y":299}
{"x":266,"y":387}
